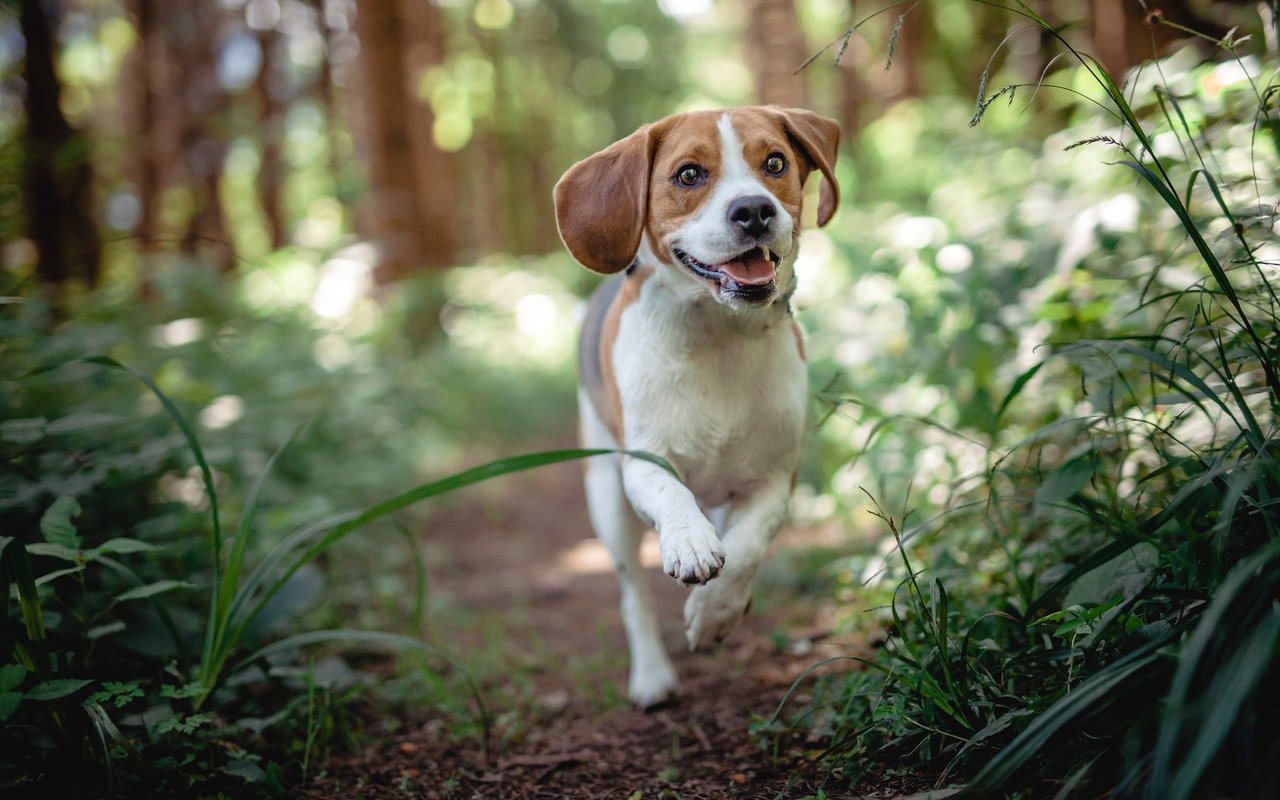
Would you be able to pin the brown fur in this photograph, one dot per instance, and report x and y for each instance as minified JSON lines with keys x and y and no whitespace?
{"x":611,"y":409}
{"x":605,"y":203}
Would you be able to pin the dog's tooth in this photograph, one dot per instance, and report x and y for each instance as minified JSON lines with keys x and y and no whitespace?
{"x":767,"y":255}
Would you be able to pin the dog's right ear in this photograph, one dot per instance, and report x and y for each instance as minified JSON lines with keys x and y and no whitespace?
{"x":601,"y":203}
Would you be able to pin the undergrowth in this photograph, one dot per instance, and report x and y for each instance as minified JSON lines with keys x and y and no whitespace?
{"x":161,"y":625}
{"x":1096,"y":612}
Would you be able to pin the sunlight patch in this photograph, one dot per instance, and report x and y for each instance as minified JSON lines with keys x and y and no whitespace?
{"x":223,"y":411}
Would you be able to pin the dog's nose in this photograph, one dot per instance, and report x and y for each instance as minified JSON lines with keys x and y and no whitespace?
{"x":752,"y":213}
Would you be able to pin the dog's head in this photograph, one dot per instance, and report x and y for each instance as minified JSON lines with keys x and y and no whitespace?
{"x":713,"y":197}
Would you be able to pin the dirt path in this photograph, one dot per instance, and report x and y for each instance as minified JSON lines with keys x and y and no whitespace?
{"x":516,"y":562}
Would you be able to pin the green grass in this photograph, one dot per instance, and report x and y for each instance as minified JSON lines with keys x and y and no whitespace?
{"x":1095,"y":612}
{"x":53,"y":689}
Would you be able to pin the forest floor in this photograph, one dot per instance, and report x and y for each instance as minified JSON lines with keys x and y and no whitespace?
{"x":531,"y":601}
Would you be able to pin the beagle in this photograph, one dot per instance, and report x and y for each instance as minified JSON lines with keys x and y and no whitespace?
{"x":692,"y":353}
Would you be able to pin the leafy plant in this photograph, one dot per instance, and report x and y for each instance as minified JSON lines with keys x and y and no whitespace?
{"x":1120,"y":626}
{"x":238,"y":600}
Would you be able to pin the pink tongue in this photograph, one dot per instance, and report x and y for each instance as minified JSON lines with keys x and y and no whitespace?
{"x":752,"y":269}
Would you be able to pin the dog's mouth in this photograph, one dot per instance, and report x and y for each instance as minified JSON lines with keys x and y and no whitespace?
{"x":748,"y":276}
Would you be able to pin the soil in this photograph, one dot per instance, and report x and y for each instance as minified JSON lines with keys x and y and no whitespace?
{"x":520,"y":551}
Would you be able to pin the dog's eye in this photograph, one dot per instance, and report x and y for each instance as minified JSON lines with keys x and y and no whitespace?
{"x":690,"y":175}
{"x":775,"y":164}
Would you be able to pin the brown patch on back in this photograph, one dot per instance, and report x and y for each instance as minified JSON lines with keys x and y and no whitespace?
{"x":610,"y":410}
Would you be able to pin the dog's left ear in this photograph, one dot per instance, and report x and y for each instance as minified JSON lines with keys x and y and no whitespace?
{"x":819,"y":138}
{"x":601,"y":203}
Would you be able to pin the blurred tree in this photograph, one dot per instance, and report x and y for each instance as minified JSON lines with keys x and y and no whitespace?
{"x":196,"y":32}
{"x":411,"y":212}
{"x":57,"y":176}
{"x":1124,"y":34}
{"x":436,"y":170}
{"x":324,"y":85}
{"x":267,"y":90}
{"x":775,"y":48}
{"x":146,"y":73}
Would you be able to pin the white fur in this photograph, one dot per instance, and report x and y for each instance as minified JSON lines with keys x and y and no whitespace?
{"x":652,"y":676}
{"x":720,"y":392}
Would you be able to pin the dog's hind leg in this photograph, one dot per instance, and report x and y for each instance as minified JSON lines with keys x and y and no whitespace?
{"x":653,"y":678}
{"x":713,"y":611}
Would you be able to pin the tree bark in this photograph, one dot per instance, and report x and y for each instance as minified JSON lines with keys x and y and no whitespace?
{"x":203,"y":142}
{"x":144,"y":160}
{"x":271,"y":170}
{"x":412,"y":209}
{"x":775,"y":49}
{"x":435,"y":170}
{"x":57,"y":175}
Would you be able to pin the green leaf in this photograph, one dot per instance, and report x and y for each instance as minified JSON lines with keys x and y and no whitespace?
{"x":15,"y":567}
{"x":55,"y":551}
{"x":181,"y":692}
{"x":11,"y":675}
{"x":117,"y":692}
{"x":58,"y":573}
{"x":1014,"y":391}
{"x":1065,"y":482}
{"x":99,"y":631}
{"x":56,"y":524}
{"x":83,"y":421}
{"x":23,"y":431}
{"x":187,"y":724}
{"x":56,"y":688}
{"x":246,"y":770}
{"x":124,"y":545}
{"x":151,"y":590}
{"x":9,"y":702}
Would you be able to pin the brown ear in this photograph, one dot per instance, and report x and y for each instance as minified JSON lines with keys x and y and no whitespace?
{"x":601,"y":203}
{"x":819,"y":137}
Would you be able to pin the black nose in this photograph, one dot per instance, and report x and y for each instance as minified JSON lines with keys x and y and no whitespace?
{"x":752,"y":213}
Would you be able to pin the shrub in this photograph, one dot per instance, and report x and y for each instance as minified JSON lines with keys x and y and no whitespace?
{"x":1086,"y":601}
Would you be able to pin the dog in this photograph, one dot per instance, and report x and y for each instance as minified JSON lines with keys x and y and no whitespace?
{"x":692,"y":353}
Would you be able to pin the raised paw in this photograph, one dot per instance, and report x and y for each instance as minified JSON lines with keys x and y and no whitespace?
{"x":692,"y":554}
{"x":712,"y":612}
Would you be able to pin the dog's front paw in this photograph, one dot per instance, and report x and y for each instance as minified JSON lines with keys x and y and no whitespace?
{"x":712,"y":612}
{"x":691,"y":554}
{"x":652,"y":685}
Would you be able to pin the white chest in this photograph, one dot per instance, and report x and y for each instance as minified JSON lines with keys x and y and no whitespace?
{"x":726,"y":406}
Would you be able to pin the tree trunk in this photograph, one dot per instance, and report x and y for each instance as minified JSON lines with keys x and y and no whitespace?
{"x":435,"y":170}
{"x":271,"y":171}
{"x":1122,"y":37}
{"x":411,"y":210}
{"x":203,"y":144}
{"x":144,"y":124}
{"x":775,"y":49}
{"x":57,"y":176}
